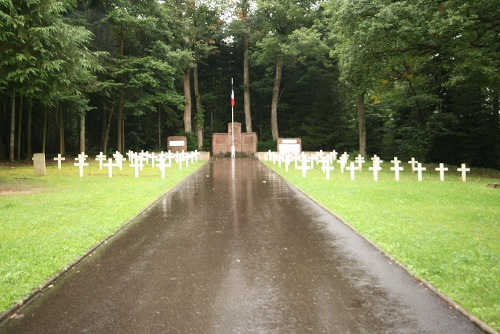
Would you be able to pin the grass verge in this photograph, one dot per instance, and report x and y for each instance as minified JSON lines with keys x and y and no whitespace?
{"x":48,"y":222}
{"x":446,"y":233}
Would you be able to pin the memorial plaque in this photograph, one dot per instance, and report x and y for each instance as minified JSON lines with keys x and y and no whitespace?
{"x":289,"y":145}
{"x":177,"y":143}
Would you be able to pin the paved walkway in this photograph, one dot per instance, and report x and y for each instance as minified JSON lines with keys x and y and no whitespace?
{"x":234,"y":249}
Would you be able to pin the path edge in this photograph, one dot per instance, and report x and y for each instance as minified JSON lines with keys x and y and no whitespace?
{"x":451,"y":303}
{"x":10,"y":313}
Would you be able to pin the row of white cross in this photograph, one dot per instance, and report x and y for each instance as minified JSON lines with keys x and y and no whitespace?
{"x":137,"y":160}
{"x":327,"y":160}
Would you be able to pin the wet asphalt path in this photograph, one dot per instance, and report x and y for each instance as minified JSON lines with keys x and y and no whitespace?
{"x":235,"y":250}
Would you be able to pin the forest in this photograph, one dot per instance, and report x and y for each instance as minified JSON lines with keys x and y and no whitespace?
{"x":399,"y":78}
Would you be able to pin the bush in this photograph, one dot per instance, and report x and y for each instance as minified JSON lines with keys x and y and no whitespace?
{"x":264,"y":146}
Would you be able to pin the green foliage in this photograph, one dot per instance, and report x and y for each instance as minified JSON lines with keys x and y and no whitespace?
{"x":264,"y":146}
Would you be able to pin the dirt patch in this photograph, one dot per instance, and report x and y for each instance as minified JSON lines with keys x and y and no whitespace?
{"x":13,"y":191}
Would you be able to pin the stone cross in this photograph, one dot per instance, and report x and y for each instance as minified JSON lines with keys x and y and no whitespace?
{"x":360,"y":160}
{"x":464,"y":171}
{"x":376,"y":168}
{"x":110,"y":166}
{"x":343,"y":162}
{"x":59,"y":159}
{"x":119,"y":159}
{"x":396,"y":168}
{"x":305,"y":166}
{"x":130,"y":155}
{"x":412,"y":162}
{"x":326,"y":168}
{"x":352,"y":168}
{"x":196,"y":155}
{"x":136,"y":164}
{"x":81,"y":162}
{"x":441,"y":169}
{"x":287,"y":161}
{"x":334,"y":155}
{"x":162,"y":165}
{"x":419,"y":170}
{"x":153,"y":159}
{"x":100,"y":157}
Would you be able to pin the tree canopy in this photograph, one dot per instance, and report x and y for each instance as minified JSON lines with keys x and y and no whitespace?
{"x":394,"y":78}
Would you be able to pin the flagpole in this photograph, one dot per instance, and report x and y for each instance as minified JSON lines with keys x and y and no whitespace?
{"x":233,"y":153}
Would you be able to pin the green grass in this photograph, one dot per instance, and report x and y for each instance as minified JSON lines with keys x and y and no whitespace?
{"x":444,"y":232}
{"x":48,"y":222}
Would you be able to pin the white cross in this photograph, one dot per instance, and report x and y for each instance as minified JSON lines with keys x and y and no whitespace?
{"x":119,"y":159}
{"x":81,"y":163}
{"x":353,"y":170}
{"x":419,"y":170}
{"x":304,"y":167}
{"x":136,"y":164}
{"x":153,"y":159}
{"x":100,"y":157}
{"x":327,"y":168}
{"x":360,"y":160}
{"x":287,"y":161}
{"x":110,"y":166}
{"x":130,"y":155}
{"x":58,"y":159}
{"x":334,"y":155}
{"x":464,"y":171}
{"x":162,"y":165}
{"x":396,"y":167}
{"x":196,"y":155}
{"x":441,"y":169}
{"x":412,"y":162}
{"x":376,"y":168}
{"x":343,"y":162}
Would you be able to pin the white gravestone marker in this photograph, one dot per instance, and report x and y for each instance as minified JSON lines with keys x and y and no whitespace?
{"x":81,"y":162}
{"x":464,"y":171}
{"x":162,"y":165}
{"x":110,"y":166}
{"x":419,"y":170}
{"x":136,"y":164}
{"x":59,"y":159}
{"x":360,"y":160}
{"x":396,"y":168}
{"x":376,"y":168}
{"x":304,"y":167}
{"x":326,"y":168}
{"x":441,"y":169}
{"x":101,"y":158}
{"x":352,"y":168}
{"x":413,"y":162}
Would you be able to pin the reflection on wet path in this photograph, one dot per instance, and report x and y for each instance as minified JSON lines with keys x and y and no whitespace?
{"x":235,"y":249}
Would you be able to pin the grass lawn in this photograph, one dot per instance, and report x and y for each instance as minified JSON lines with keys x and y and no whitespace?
{"x":48,"y":222}
{"x":447,"y":233}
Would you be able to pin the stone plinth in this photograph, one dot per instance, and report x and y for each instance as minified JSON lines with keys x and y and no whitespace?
{"x":243,"y":142}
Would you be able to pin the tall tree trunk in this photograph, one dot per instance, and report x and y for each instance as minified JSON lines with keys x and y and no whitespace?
{"x":82,"y":132}
{"x":62,"y":146}
{"x":246,"y":82}
{"x":200,"y":117}
{"x":20,"y":127}
{"x":30,"y":113}
{"x":187,"y":101}
{"x":119,"y":121}
{"x":159,"y":127}
{"x":44,"y":135}
{"x":12,"y":126}
{"x":106,"y":131}
{"x":361,"y":124}
{"x":276,"y":92}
